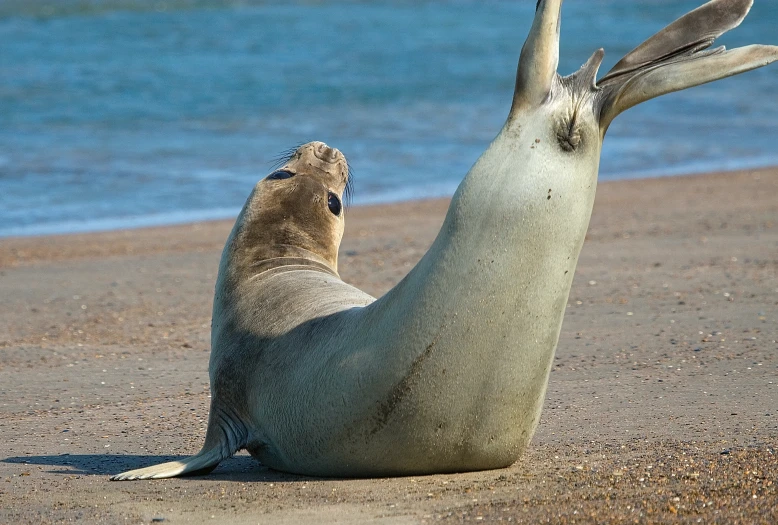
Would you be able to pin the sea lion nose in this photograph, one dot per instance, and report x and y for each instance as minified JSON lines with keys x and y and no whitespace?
{"x":326,"y":153}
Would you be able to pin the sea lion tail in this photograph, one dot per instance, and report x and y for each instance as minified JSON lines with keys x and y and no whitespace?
{"x":226,"y":435}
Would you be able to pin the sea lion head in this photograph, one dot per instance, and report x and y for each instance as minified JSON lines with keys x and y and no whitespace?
{"x":295,"y":215}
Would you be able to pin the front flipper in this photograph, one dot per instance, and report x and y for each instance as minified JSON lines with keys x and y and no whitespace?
{"x":202,"y":463}
{"x":226,"y":435}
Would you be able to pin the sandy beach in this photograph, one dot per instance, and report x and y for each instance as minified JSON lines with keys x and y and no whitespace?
{"x":662,"y":406}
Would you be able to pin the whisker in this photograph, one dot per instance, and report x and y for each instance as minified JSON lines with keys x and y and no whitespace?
{"x":284,"y":157}
{"x":348,"y":191}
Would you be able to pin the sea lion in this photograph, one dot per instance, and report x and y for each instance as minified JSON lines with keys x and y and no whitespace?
{"x":446,"y":372}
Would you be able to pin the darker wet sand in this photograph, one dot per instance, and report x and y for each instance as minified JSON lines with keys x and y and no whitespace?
{"x":662,"y":405}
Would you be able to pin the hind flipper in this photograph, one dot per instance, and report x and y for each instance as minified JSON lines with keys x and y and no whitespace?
{"x":226,"y":435}
{"x":678,"y":58}
{"x":203,"y":463}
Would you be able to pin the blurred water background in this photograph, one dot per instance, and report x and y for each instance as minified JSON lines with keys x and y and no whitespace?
{"x":126,"y":113}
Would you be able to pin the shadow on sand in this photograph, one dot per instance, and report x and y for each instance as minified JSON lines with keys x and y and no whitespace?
{"x":238,"y":468}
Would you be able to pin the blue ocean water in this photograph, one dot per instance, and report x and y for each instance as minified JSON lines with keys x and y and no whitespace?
{"x":122,"y":113}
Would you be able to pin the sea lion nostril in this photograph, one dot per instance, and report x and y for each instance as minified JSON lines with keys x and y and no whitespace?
{"x":326,"y":153}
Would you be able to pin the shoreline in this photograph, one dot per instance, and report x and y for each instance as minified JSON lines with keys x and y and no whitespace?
{"x":23,"y":249}
{"x":660,"y":406}
{"x":185,"y":219}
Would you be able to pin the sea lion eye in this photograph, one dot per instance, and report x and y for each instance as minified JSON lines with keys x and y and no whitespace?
{"x":334,"y":203}
{"x":280,"y":174}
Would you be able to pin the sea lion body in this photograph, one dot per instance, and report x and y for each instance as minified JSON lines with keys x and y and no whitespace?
{"x":361,"y":406}
{"x":446,"y":372}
